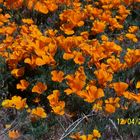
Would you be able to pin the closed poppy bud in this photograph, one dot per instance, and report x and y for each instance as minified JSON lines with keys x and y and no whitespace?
{"x":98,"y":27}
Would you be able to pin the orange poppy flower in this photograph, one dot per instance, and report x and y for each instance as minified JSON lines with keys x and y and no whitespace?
{"x":4,"y":18}
{"x":13,"y":134}
{"x":57,"y":106}
{"x":136,"y":97}
{"x":84,"y":34}
{"x":119,"y":87}
{"x":18,"y":102}
{"x":41,"y":62}
{"x":39,"y":88}
{"x":45,"y":59}
{"x":96,"y":12}
{"x":75,"y":82}
{"x":23,"y":85}
{"x":123,"y":11}
{"x":78,"y":58}
{"x":132,"y":96}
{"x":115,"y":64}
{"x":51,"y":6}
{"x":51,"y":32}
{"x":114,"y":24}
{"x":31,"y":61}
{"x":110,"y":108}
{"x":128,"y":95}
{"x":96,"y":134}
{"x":9,"y":30}
{"x":132,"y":57}
{"x":98,"y":27}
{"x":103,"y":76}
{"x":18,"y":72}
{"x":133,"y":29}
{"x":53,"y":98}
{"x":111,"y":47}
{"x":68,"y":56}
{"x":57,"y":76}
{"x":111,"y":104}
{"x":104,"y":38}
{"x":105,"y":16}
{"x":39,"y":112}
{"x":41,"y":7}
{"x":13,"y":4}
{"x":91,"y":94}
{"x":7,"y":103}
{"x":132,"y":37}
{"x":67,"y":29}
{"x":39,"y":51}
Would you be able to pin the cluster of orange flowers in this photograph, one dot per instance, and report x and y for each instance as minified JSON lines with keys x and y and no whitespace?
{"x":57,"y":106}
{"x":94,"y":136}
{"x":14,"y":134}
{"x":16,"y":102}
{"x":32,"y":49}
{"x":42,"y":6}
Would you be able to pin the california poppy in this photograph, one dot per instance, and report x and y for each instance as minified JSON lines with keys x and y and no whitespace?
{"x":119,"y":87}
{"x":78,"y":58}
{"x":57,"y":106}
{"x":91,"y":93}
{"x":96,"y":134}
{"x":18,"y":72}
{"x":98,"y":27}
{"x":103,"y":76}
{"x":111,"y":104}
{"x":57,"y":76}
{"x":39,"y":112}
{"x":39,"y":87}
{"x":132,"y":37}
{"x":75,"y":82}
{"x":23,"y":85}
